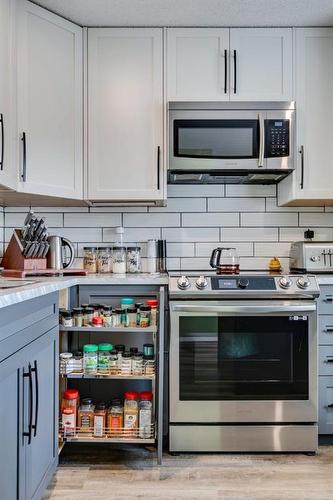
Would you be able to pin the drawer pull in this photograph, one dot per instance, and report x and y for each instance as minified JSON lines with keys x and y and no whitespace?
{"x":330,"y":406}
{"x":329,"y":329}
{"x":329,"y":360}
{"x":328,"y":298}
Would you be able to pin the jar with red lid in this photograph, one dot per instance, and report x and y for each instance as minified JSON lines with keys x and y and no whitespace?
{"x":97,"y":321}
{"x":131,"y":413}
{"x":70,"y":399}
{"x":153,"y":303}
{"x":145,"y":414}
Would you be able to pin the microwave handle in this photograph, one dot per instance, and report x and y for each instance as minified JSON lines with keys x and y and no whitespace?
{"x":261,"y":141}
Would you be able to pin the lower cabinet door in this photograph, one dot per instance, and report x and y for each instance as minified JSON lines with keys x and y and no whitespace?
{"x":42,"y":453}
{"x":325,"y":405}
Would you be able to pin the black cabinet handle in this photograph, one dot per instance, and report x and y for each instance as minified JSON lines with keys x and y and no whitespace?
{"x":329,"y":360}
{"x":2,"y":141}
{"x":225,"y":71}
{"x":301,"y":151}
{"x":329,"y":329}
{"x":158,"y":166}
{"x":24,"y":158}
{"x":35,"y":371}
{"x":328,"y":298}
{"x":330,"y":406}
{"x":28,"y":375}
{"x":235,"y":72}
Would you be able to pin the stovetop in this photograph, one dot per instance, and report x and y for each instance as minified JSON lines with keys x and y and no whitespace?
{"x":193,"y":284}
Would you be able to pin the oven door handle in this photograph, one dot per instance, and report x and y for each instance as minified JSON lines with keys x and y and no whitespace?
{"x":269,"y":309}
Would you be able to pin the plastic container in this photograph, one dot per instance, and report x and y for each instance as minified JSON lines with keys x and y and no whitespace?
{"x":107,"y":316}
{"x":145,"y":316}
{"x":70,"y":399}
{"x":68,"y":422}
{"x":66,"y":363}
{"x":145,"y":414}
{"x":116,"y":418}
{"x":86,"y":415}
{"x":100,"y":420}
{"x":97,"y":321}
{"x":137,"y":363}
{"x":131,"y":313}
{"x":126,"y":302}
{"x":90,"y":359}
{"x":153,"y":303}
{"x":126,"y":364}
{"x":104,"y":355}
{"x":131,"y":413}
{"x":88,"y":314}
{"x":78,"y":316}
{"x":113,"y":362}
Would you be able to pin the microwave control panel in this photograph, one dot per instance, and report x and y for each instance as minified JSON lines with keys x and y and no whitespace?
{"x":277,"y":138}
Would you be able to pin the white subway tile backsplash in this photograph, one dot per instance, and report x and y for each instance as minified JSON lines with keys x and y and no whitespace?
{"x":195,"y":190}
{"x":175,"y":234}
{"x":78,"y":234}
{"x":314,"y":220}
{"x":236,"y":204}
{"x":133,"y":234}
{"x":180,"y":250}
{"x":210,"y":219}
{"x":17,"y":219}
{"x":257,"y":263}
{"x":249,"y":234}
{"x":182,"y":205}
{"x":205,"y":249}
{"x":271,"y":249}
{"x":297,"y":233}
{"x":250,"y":190}
{"x":92,"y":220}
{"x":151,"y":220}
{"x":269,"y":219}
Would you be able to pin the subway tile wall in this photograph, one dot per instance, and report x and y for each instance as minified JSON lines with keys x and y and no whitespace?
{"x":196,"y":220}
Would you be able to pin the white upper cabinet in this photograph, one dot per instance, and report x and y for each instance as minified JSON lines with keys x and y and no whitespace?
{"x":312,"y":182}
{"x":237,"y":64}
{"x":125,"y":114}
{"x":197,"y":64}
{"x":8,"y":167}
{"x":260,"y":64}
{"x":50,"y":90}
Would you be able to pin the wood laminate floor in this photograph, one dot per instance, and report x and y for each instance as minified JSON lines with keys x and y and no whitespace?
{"x":104,"y":472}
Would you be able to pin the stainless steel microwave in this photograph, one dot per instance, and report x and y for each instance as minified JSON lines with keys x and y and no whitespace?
{"x":230,"y":142}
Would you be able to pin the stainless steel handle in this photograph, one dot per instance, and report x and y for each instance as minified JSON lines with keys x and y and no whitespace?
{"x":301,"y":151}
{"x":158,"y":166}
{"x":235,"y":72}
{"x":269,"y":309}
{"x":24,"y":158}
{"x":2,"y":141}
{"x":225,"y":71}
{"x":261,"y":156}
{"x":69,"y":244}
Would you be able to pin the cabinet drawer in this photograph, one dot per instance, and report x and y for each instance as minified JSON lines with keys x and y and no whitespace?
{"x":326,"y":360}
{"x":325,"y":330}
{"x":325,"y":301}
{"x":325,"y":405}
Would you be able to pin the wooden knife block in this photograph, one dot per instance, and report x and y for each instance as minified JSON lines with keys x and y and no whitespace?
{"x":14,"y":259}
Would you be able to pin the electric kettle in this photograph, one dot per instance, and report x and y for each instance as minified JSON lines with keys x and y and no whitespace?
{"x":56,"y":257}
{"x":225,"y":260}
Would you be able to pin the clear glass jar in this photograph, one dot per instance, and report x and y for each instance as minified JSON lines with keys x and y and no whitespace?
{"x":90,"y":259}
{"x":117,"y":318}
{"x":126,"y":302}
{"x":100,"y":420}
{"x":126,"y":363}
{"x":145,"y":316}
{"x":97,"y":309}
{"x":124,"y":318}
{"x":88,"y":314}
{"x":131,"y":313}
{"x":120,"y":348}
{"x":116,"y":418}
{"x":153,"y":303}
{"x":148,"y":349}
{"x":90,"y":359}
{"x":149,"y":365}
{"x":119,"y":260}
{"x":104,"y":354}
{"x":133,"y":260}
{"x":67,"y":319}
{"x":131,"y":413}
{"x":137,"y":363}
{"x":107,"y":316}
{"x":113,"y":363}
{"x":137,"y":306}
{"x":66,"y":363}
{"x":104,"y":260}
{"x":86,"y":415}
{"x":78,"y":362}
{"x":145,"y":414}
{"x":78,"y":316}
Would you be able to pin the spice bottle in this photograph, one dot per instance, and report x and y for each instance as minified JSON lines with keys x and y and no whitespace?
{"x":137,"y":363}
{"x":117,"y":318}
{"x":145,"y":414}
{"x":90,"y":359}
{"x":78,"y":362}
{"x":97,"y":321}
{"x":153,"y":303}
{"x":113,"y":362}
{"x":107,"y":316}
{"x":104,"y":354}
{"x":148,"y":349}
{"x":126,"y":302}
{"x":86,"y":415}
{"x":149,"y":365}
{"x":124,"y":318}
{"x":100,"y":420}
{"x":70,"y":399}
{"x":88,"y":314}
{"x":68,"y":422}
{"x":90,"y":259}
{"x":116,"y":418}
{"x":120,"y":348}
{"x":66,"y":363}
{"x":137,"y":306}
{"x":145,"y":316}
{"x":67,"y":319}
{"x":78,"y":316}
{"x":131,"y":313}
{"x":126,"y":364}
{"x":131,"y":413}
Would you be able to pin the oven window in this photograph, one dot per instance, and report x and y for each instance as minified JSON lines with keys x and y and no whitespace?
{"x":243,"y":358}
{"x":216,"y":138}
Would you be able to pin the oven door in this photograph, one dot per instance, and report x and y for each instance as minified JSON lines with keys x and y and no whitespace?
{"x":243,"y":361}
{"x":216,"y":140}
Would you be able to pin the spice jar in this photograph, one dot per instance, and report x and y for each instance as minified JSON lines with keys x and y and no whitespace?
{"x":104,"y":262}
{"x":153,"y":303}
{"x":65,"y":363}
{"x":70,"y":399}
{"x":107,"y":316}
{"x":86,"y":415}
{"x":104,"y":353}
{"x":99,"y":420}
{"x":67,"y":319}
{"x":90,"y":359}
{"x":78,"y":362}
{"x":120,"y":348}
{"x":148,"y":349}
{"x":149,"y":365}
{"x":116,"y":418}
{"x":126,"y":302}
{"x":145,"y":414}
{"x":131,"y":313}
{"x":137,"y":363}
{"x":126,"y":363}
{"x":90,"y":259}
{"x":119,"y":260}
{"x":133,"y":259}
{"x":137,"y":306}
{"x":68,"y":422}
{"x":78,"y":316}
{"x":113,"y":362}
{"x":116,"y":318}
{"x":124,"y":318}
{"x":97,"y":321}
{"x":62,"y":310}
{"x":131,"y":413}
{"x":97,"y":309}
{"x":88,"y":314}
{"x":145,"y":316}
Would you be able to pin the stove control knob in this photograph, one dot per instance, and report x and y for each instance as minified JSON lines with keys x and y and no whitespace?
{"x":243,"y":283}
{"x":201,"y":282}
{"x":285,"y":282}
{"x":315,"y":258}
{"x":183,"y":283}
{"x":303,"y":282}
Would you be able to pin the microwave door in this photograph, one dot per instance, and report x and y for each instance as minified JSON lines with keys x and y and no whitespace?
{"x":216,"y":140}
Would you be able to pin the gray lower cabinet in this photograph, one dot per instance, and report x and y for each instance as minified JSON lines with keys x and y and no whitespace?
{"x":326,"y":405}
{"x":29,"y":399}
{"x":325,"y":359}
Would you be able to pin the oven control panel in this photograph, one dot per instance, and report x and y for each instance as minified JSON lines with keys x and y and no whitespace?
{"x":277,"y":138}
{"x":243,"y":283}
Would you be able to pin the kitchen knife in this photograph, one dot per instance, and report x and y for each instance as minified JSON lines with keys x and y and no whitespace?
{"x":39,"y":228}
{"x":46,"y":249}
{"x":29,"y":217}
{"x":26,"y":248}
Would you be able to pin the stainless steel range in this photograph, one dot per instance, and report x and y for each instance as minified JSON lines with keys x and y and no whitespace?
{"x":243,"y":363}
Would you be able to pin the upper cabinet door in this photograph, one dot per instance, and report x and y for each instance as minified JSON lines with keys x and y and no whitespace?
{"x":49,"y":103}
{"x":125,"y":114}
{"x":197,"y":64}
{"x":8,"y":167}
{"x":261,"y":64}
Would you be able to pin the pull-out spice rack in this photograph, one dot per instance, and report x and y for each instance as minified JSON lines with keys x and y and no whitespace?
{"x":121,"y":436}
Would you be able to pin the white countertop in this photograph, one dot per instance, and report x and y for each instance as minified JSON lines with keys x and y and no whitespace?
{"x":45,"y":285}
{"x":324,"y":279}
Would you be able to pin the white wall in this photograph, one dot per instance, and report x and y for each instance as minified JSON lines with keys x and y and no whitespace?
{"x":197,"y":219}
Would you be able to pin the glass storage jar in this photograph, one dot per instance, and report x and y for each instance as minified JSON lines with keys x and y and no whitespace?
{"x":133,"y":260}
{"x":78,"y":316}
{"x":153,"y":303}
{"x":126,"y":363}
{"x":88,"y":314}
{"x":126,"y":302}
{"x":104,"y":354}
{"x":107,"y":316}
{"x":120,"y":348}
{"x":131,"y":413}
{"x":86,"y":415}
{"x":90,"y":359}
{"x":131,"y":313}
{"x":113,"y":363}
{"x":124,"y":318}
{"x":90,"y":259}
{"x":119,"y":260}
{"x":145,"y":316}
{"x":148,"y":349}
{"x":149,"y":365}
{"x":145,"y":414}
{"x":67,"y":319}
{"x":100,"y":420}
{"x":104,"y":261}
{"x":137,"y":363}
{"x":78,"y":362}
{"x":117,"y":318}
{"x":116,"y":418}
{"x":66,"y":363}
